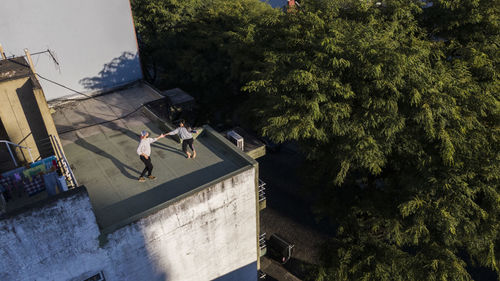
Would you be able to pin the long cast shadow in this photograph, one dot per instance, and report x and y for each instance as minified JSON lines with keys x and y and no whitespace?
{"x":133,"y":135}
{"x":136,"y":137}
{"x":120,"y":165}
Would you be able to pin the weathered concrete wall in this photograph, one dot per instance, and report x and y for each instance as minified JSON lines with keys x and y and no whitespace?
{"x":48,"y":122}
{"x":56,"y":242}
{"x":208,"y":235}
{"x":14,"y":116}
{"x":94,"y":41}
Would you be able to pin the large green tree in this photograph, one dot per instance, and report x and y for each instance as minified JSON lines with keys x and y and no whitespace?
{"x":204,"y":47}
{"x":397,"y":111}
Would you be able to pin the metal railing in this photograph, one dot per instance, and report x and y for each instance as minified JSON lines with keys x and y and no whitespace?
{"x":262,"y":190}
{"x":262,"y":245}
{"x":63,"y":162}
{"x":262,"y":241}
{"x":8,"y":144}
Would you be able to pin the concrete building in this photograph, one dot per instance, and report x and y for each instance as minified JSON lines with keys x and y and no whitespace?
{"x":25,"y":118}
{"x":197,"y":221}
{"x":93,"y":42}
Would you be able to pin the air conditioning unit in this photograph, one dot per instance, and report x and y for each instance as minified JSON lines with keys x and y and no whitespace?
{"x":236,"y":139}
{"x":279,"y":248}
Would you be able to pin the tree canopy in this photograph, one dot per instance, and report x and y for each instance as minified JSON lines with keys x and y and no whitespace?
{"x":204,"y":47}
{"x":394,"y":103}
{"x":396,"y":107}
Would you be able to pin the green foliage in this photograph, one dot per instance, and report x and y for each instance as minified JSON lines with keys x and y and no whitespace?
{"x":397,"y":109}
{"x":204,"y":47}
{"x":395,"y":106}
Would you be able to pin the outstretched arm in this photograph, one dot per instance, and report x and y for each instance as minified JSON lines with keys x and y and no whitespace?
{"x":172,"y":132}
{"x":158,"y":137}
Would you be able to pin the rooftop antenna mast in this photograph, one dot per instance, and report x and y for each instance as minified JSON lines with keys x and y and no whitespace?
{"x":2,"y":53}
{"x":53,"y":55}
{"x":30,"y":61}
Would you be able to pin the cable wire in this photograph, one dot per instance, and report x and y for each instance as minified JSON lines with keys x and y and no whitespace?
{"x":103,"y":122}
{"x":90,"y":97}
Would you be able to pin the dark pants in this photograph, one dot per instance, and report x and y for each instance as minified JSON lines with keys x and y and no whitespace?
{"x":186,"y":143}
{"x":149,"y":166}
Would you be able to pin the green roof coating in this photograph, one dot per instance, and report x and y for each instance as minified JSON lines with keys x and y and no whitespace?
{"x":106,"y":163}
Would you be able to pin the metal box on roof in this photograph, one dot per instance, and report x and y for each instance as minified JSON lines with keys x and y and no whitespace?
{"x":236,"y":139}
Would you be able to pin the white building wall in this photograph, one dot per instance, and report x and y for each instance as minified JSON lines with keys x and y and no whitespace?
{"x":53,"y":243}
{"x":211,"y":234}
{"x":94,"y":41}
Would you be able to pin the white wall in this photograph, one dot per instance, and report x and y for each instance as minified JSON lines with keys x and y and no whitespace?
{"x":211,"y":234}
{"x":85,"y":34}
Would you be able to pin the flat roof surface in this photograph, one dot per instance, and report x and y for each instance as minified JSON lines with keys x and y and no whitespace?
{"x":104,"y":157}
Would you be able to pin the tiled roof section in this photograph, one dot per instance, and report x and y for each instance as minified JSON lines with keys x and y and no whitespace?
{"x":14,"y":68}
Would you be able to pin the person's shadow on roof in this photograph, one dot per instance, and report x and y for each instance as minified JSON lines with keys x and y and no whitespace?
{"x":135,"y":136}
{"x":124,"y":168}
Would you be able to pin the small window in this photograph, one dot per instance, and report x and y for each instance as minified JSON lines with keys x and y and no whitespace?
{"x":97,"y":277}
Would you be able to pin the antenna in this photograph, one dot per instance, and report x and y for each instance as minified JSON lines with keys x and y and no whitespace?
{"x":30,"y":61}
{"x":2,"y":53}
{"x":53,"y":55}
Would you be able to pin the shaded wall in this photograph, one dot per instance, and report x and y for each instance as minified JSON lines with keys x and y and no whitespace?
{"x":14,"y":117}
{"x":87,"y":37}
{"x":33,"y":116}
{"x":208,"y":235}
{"x":26,"y":118}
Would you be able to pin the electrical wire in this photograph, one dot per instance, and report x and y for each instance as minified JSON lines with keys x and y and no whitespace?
{"x":90,"y":97}
{"x":75,"y":91}
{"x":37,"y":59}
{"x":103,"y":122}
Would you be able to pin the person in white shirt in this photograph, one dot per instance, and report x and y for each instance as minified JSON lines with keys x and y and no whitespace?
{"x":186,"y":137}
{"x":144,"y":151}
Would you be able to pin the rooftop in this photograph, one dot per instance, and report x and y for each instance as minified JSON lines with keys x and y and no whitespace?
{"x":15,"y":68}
{"x":103,"y":156}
